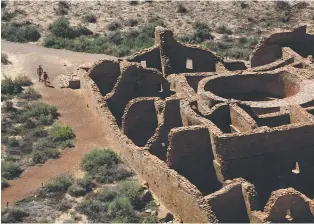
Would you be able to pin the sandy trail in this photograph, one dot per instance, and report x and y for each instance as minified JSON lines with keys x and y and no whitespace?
{"x":71,"y":105}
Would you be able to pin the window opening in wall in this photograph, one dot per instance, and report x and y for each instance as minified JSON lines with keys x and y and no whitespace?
{"x":288,"y":215}
{"x":143,"y":63}
{"x":189,"y":63}
{"x":297,"y":168}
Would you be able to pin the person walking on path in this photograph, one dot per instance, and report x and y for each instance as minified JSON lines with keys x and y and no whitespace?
{"x":39,"y":72}
{"x":45,"y":78}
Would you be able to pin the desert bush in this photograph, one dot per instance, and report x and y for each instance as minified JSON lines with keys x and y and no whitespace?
{"x":64,"y":205}
{"x":4,"y":183}
{"x":61,"y":28}
{"x":108,"y":195}
{"x":19,"y":33}
{"x":7,"y":16}
{"x":149,"y":219}
{"x":133,"y":191}
{"x":120,"y":209}
{"x":223,"y":29}
{"x":3,"y":4}
{"x":42,"y":144}
{"x":13,"y":215}
{"x":92,"y":161}
{"x":4,"y":58}
{"x":30,"y":94}
{"x":110,"y":174}
{"x":61,"y":133}
{"x":29,"y":123}
{"x":301,"y":5}
{"x":90,"y":18}
{"x":93,"y":208}
{"x":81,"y":187}
{"x":66,"y":144}
{"x":37,"y":109}
{"x":133,"y":2}
{"x":59,"y":184}
{"x":181,"y":8}
{"x":40,"y":132}
{"x":13,"y":142}
{"x":282,"y":5}
{"x":132,"y":22}
{"x":23,"y":81}
{"x":46,"y":119}
{"x":9,"y":106}
{"x":9,"y":86}
{"x":38,"y":157}
{"x":114,"y":25}
{"x":63,"y":8}
{"x":10,"y":170}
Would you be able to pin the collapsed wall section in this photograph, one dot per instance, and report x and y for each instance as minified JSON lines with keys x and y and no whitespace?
{"x":270,"y":48}
{"x":179,"y":58}
{"x":105,"y":74}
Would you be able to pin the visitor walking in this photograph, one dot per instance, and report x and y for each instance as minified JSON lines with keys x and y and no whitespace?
{"x":45,"y":78}
{"x":39,"y":72}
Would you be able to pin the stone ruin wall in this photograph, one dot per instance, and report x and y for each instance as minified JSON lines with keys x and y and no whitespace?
{"x":200,"y":143}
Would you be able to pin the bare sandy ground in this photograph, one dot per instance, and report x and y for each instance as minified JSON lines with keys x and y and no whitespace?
{"x":71,"y":105}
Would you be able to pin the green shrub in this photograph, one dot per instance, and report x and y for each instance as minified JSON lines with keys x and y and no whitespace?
{"x":63,"y":7}
{"x":114,"y":25}
{"x":4,"y":58}
{"x":46,"y":119}
{"x":37,"y":109}
{"x":3,"y":4}
{"x":13,"y":142}
{"x":98,"y":158}
{"x":23,"y":81}
{"x":66,"y":144}
{"x":29,"y":124}
{"x":92,"y":208}
{"x":10,"y":170}
{"x":52,"y":153}
{"x":13,"y":215}
{"x":59,"y":184}
{"x":7,"y":16}
{"x":19,"y":33}
{"x":132,"y":22}
{"x":9,"y":106}
{"x":108,"y":195}
{"x":81,"y":187}
{"x":149,"y":219}
{"x":90,"y":18}
{"x":4,"y":183}
{"x":133,"y":191}
{"x":120,"y":209}
{"x":223,"y":29}
{"x":38,"y":157}
{"x":42,"y":144}
{"x":133,"y":2}
{"x":181,"y":8}
{"x":76,"y":190}
{"x":61,"y":28}
{"x":30,"y":94}
{"x":109,"y":175}
{"x":9,"y":86}
{"x":61,"y":133}
{"x":64,"y":206}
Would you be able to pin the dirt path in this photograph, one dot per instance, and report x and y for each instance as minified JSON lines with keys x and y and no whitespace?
{"x":71,"y":105}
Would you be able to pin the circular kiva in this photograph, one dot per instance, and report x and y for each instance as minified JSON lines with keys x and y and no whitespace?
{"x":260,"y":90}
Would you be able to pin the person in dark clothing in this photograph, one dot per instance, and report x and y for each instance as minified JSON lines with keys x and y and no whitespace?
{"x":45,"y":78}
